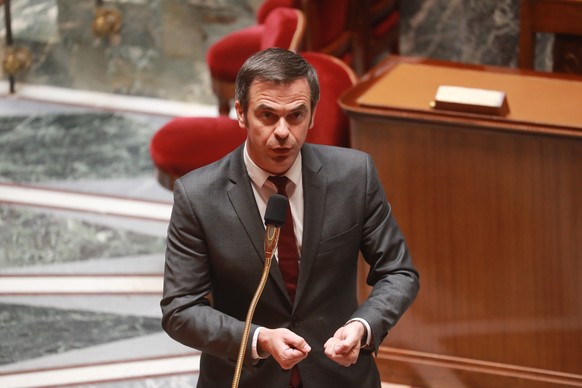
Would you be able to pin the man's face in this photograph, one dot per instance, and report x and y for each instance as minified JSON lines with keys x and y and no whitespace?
{"x":277,"y":122}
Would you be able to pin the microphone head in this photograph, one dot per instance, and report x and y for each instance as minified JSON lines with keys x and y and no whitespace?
{"x":276,"y":210}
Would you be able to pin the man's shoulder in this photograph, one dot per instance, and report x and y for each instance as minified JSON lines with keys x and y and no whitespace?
{"x":331,"y":153}
{"x":210,"y":174}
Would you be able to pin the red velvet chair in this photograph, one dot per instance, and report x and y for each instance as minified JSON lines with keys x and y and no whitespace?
{"x":328,"y":30}
{"x":376,"y":32}
{"x":268,"y":5}
{"x":186,"y":143}
{"x":278,"y":26}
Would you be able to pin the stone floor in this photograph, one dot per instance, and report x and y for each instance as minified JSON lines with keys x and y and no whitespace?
{"x":79,"y":291}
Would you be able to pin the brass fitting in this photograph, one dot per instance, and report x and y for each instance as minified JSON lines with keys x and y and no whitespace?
{"x":16,"y":60}
{"x":107,"y":22}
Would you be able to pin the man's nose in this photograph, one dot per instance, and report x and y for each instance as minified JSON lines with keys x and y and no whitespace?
{"x":282,"y":128}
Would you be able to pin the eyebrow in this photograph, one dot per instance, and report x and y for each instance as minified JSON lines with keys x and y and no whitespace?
{"x":301,"y":106}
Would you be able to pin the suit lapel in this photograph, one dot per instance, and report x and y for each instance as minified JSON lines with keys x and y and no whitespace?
{"x":240,"y":195}
{"x":314,"y":194}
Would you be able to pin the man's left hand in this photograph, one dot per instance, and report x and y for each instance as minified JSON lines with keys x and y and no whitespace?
{"x":344,"y":346}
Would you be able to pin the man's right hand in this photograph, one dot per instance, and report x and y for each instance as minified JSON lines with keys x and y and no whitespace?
{"x":285,"y":346}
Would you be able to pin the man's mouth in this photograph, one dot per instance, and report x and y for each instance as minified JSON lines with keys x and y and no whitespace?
{"x":281,"y":150}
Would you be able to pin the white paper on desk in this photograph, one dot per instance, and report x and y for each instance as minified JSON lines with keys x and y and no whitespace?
{"x":469,"y":96}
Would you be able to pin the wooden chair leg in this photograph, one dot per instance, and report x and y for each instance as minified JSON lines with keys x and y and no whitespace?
{"x":223,"y":106}
{"x":224,"y":92}
{"x":165,"y":179}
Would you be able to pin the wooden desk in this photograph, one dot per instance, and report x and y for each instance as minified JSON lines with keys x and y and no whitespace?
{"x":492,"y":210}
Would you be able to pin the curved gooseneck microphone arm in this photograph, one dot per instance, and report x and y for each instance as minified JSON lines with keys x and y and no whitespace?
{"x":274,"y":219}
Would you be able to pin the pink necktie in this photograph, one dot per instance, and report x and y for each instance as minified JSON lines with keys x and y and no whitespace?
{"x":287,"y":248}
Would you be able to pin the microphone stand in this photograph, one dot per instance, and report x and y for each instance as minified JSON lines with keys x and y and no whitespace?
{"x":271,"y":239}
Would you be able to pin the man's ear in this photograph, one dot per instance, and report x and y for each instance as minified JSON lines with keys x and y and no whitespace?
{"x":312,"y":118}
{"x":240,"y":114}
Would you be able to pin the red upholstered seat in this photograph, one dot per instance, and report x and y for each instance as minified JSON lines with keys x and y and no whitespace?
{"x":282,"y":27}
{"x":331,"y":125}
{"x":186,"y":143}
{"x":227,"y":55}
{"x":268,"y":5}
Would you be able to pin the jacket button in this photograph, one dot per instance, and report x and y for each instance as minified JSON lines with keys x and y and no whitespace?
{"x":294,"y":322}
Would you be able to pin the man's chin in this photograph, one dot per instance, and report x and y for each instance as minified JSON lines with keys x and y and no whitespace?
{"x":280,"y":163}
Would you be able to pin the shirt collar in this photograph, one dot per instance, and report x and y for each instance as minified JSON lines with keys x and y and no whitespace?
{"x":259,"y":176}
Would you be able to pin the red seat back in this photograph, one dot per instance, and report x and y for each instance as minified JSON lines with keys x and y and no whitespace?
{"x":331,"y":123}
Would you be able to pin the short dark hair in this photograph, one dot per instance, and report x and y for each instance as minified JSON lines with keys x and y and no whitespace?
{"x":275,"y":65}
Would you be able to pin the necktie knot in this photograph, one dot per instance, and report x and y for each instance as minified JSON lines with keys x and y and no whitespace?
{"x":281,"y":182}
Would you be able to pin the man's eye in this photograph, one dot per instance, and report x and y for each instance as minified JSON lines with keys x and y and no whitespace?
{"x":295,"y":117}
{"x":267,"y":116}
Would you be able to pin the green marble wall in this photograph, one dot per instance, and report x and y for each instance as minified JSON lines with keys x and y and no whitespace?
{"x":159,"y":52}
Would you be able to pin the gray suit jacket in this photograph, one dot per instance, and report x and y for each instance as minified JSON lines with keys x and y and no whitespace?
{"x":215,"y":258}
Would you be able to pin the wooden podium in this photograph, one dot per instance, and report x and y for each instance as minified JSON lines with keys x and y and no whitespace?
{"x":491,"y":208}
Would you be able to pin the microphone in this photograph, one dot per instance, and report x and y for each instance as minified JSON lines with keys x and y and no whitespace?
{"x":276,"y":210}
{"x":274,"y":219}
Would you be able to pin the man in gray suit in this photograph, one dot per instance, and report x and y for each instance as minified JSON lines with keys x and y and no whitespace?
{"x":318,"y":336}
